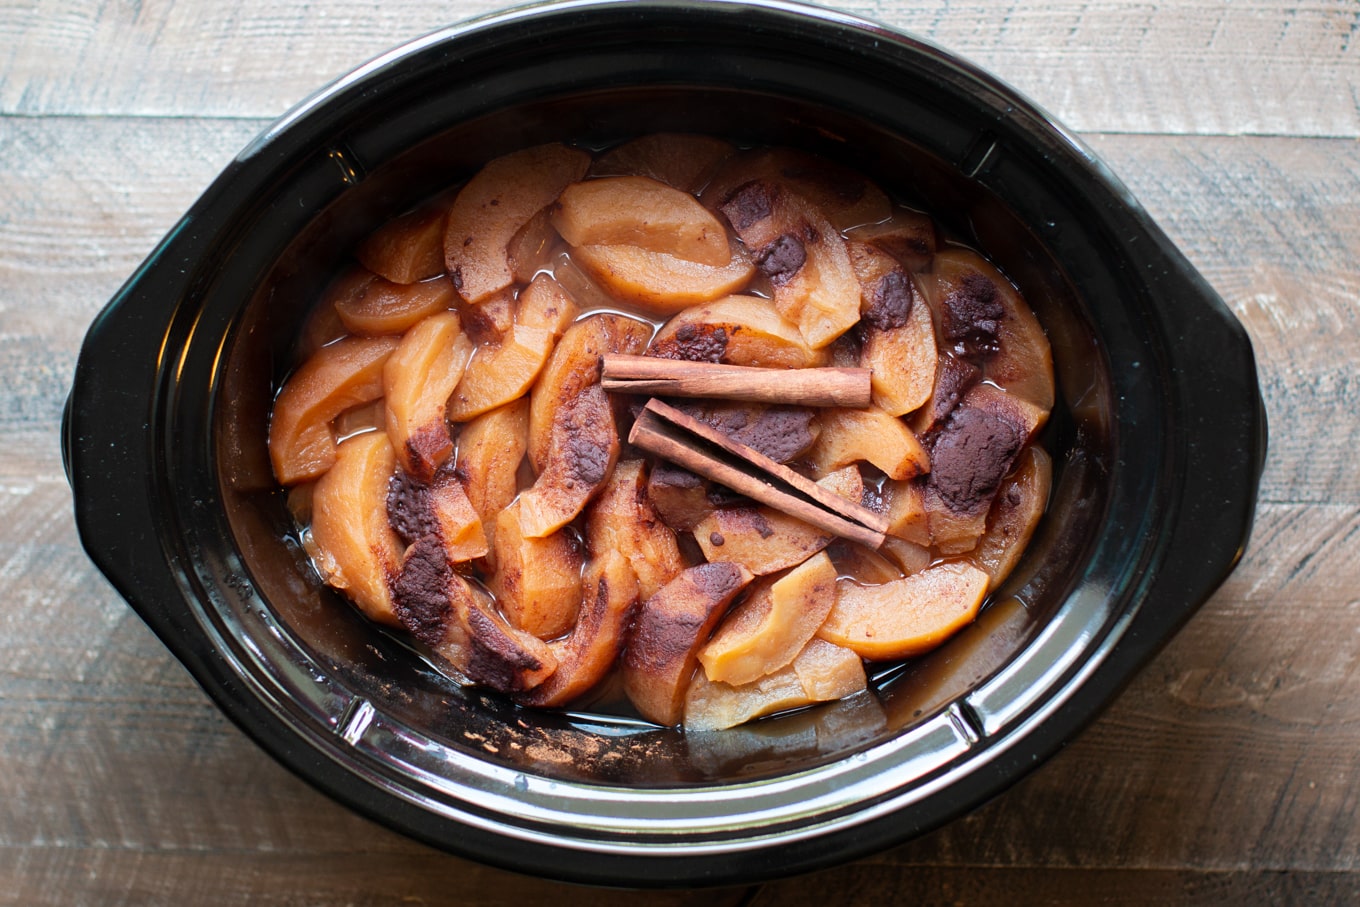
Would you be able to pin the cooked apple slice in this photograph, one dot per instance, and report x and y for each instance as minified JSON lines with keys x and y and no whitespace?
{"x":903,"y":504}
{"x":803,"y":256}
{"x":440,"y":510}
{"x":537,"y":582}
{"x":494,"y":205}
{"x":845,"y":197}
{"x":852,"y":435}
{"x":490,"y":450}
{"x":383,"y":307}
{"x":456,"y":522}
{"x":582,"y":448}
{"x":908,"y":556}
{"x":771,"y":624}
{"x":685,"y":161}
{"x":865,"y":565}
{"x":574,"y":366}
{"x":1015,"y":514}
{"x":358,"y":419}
{"x":490,"y":321}
{"x":908,"y":236}
{"x":898,"y":332}
{"x":623,"y":519}
{"x":546,"y":306}
{"x":418,"y":379}
{"x":408,"y":248}
{"x":984,"y":318}
{"x":679,"y":496}
{"x":821,"y":672}
{"x":736,"y":330}
{"x":586,"y":656}
{"x":662,"y":650}
{"x":323,"y":325}
{"x":496,"y":375}
{"x":907,"y":617}
{"x":533,"y":247}
{"x":970,"y":455}
{"x":344,"y":374}
{"x":500,"y":656}
{"x":765,"y":540}
{"x":358,"y":550}
{"x":663,"y":284}
{"x":780,"y":432}
{"x":642,"y":212}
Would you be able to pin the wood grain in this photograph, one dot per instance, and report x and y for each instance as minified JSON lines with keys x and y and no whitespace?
{"x":1190,"y":66}
{"x":1227,"y":772}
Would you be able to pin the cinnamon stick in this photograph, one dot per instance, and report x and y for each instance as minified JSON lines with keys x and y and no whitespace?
{"x":847,"y":387}
{"x":687,"y":442}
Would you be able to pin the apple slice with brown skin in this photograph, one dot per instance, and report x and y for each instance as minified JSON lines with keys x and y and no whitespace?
{"x":821,"y":672}
{"x":662,"y":650}
{"x":897,"y":330}
{"x":736,"y":330}
{"x":494,"y":205}
{"x":344,"y":374}
{"x":908,"y":236}
{"x":907,"y":617}
{"x":764,"y":540}
{"x":537,"y":582}
{"x":623,"y":519}
{"x":586,"y":656}
{"x":574,"y":366}
{"x":985,"y":319}
{"x":1015,"y":514}
{"x":685,"y":161}
{"x":679,"y":496}
{"x":490,"y":321}
{"x":852,"y":435}
{"x":970,"y":454}
{"x":803,"y":256}
{"x":844,"y":196}
{"x":408,"y":248}
{"x":380,"y":306}
{"x":954,"y":377}
{"x":772,"y":623}
{"x":640,"y":211}
{"x":358,"y":551}
{"x":662,"y":284}
{"x":582,"y":448}
{"x":418,"y":379}
{"x":490,"y":450}
{"x":500,"y":656}
{"x":439,"y":509}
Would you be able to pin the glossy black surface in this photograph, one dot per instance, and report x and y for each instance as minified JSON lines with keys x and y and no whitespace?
{"x":1158,"y":438}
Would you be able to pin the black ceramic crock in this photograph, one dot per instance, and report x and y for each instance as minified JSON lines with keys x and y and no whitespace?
{"x":1158,"y":439}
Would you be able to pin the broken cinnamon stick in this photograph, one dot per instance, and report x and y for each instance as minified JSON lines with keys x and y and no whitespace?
{"x":847,"y":387}
{"x":687,"y":442}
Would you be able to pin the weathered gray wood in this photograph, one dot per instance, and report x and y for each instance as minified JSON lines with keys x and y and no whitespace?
{"x":1226,"y":773}
{"x":1199,"y":66}
{"x":867,"y":883}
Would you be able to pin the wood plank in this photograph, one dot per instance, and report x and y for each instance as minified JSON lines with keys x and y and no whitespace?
{"x":871,"y":883}
{"x":1189,"y":66}
{"x":110,"y":877}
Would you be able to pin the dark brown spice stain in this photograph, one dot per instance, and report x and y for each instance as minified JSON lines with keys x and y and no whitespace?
{"x":782,"y":259}
{"x":971,"y":454}
{"x":419,"y":594}
{"x":748,"y":204}
{"x":971,"y":316}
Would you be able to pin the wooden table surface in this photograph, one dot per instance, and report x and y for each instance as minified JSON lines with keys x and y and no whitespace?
{"x":1227,"y":772}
